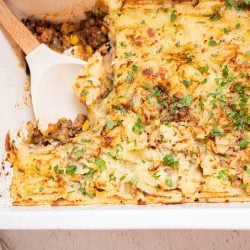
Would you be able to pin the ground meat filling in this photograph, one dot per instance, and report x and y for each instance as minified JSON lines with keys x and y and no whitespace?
{"x":86,"y":36}
{"x":89,"y":34}
{"x":59,"y":132}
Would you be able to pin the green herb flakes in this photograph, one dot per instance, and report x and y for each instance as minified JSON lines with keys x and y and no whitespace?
{"x":212,"y":43}
{"x":178,"y":44}
{"x":71,"y":169}
{"x":237,"y":26}
{"x":223,"y":175}
{"x":169,"y":160}
{"x":204,"y":69}
{"x":226,"y":31}
{"x":225,"y":71}
{"x":132,"y":103}
{"x":101,"y":164}
{"x":186,"y":83}
{"x":169,"y":182}
{"x":156,"y":175}
{"x":216,"y":131}
{"x":131,"y":74}
{"x":123,"y":177}
{"x":215,"y":16}
{"x":185,"y":102}
{"x":110,"y":124}
{"x":203,"y":81}
{"x":129,"y":54}
{"x":173,"y":16}
{"x":123,"y":44}
{"x":83,"y":190}
{"x":138,"y":128}
{"x":244,"y":143}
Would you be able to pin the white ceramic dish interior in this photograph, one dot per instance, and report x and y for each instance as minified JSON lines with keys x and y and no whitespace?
{"x":15,"y":110}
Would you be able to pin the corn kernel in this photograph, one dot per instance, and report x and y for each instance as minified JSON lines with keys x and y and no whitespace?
{"x":104,"y":30}
{"x":85,"y":125}
{"x":88,"y":49}
{"x":74,"y":40}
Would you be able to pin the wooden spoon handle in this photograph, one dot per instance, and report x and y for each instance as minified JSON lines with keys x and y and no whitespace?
{"x":23,"y":37}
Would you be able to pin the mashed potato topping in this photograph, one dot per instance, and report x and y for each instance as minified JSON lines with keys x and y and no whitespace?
{"x":168,"y":112}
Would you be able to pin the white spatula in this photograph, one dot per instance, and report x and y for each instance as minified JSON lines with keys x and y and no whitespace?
{"x":52,"y":74}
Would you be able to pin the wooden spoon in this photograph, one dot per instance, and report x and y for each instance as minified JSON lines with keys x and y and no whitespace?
{"x":52,"y":73}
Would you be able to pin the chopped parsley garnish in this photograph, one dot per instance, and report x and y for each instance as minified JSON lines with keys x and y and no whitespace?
{"x":84,"y":93}
{"x":223,"y":175}
{"x":185,"y":102}
{"x":78,"y":154}
{"x":232,"y":3}
{"x":237,"y":25}
{"x":226,"y":31}
{"x":189,"y":58}
{"x":248,"y":170}
{"x":91,"y":195}
{"x":247,"y":53}
{"x":244,"y":143}
{"x":173,"y":16}
{"x":204,"y":69}
{"x":129,"y":54}
{"x":236,"y":4}
{"x":131,"y":74}
{"x":110,"y":124}
{"x":178,"y":44}
{"x":238,"y":111}
{"x":86,"y":141}
{"x":90,"y":174}
{"x":101,"y":164}
{"x":156,"y":175}
{"x":186,"y":83}
{"x":123,"y":44}
{"x":38,"y":170}
{"x":212,"y":43}
{"x":216,"y":131}
{"x":218,"y":97}
{"x":169,"y":160}
{"x":156,"y":92}
{"x":56,"y":168}
{"x":41,"y":189}
{"x":119,"y":122}
{"x":216,"y":15}
{"x":112,"y":178}
{"x":132,"y":103}
{"x":138,"y":128}
{"x":225,"y":71}
{"x":71,"y":169}
{"x":123,"y":177}
{"x":83,"y":190}
{"x":204,"y":81}
{"x":169,"y":182}
{"x":201,"y":103}
{"x":191,"y":152}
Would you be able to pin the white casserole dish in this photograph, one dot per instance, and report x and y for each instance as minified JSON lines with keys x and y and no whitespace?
{"x":15,"y":112}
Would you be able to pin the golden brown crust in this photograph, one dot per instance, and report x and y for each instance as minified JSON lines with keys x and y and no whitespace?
{"x":170,"y":125}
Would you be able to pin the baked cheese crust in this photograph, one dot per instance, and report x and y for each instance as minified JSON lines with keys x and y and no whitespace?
{"x":168,"y":110}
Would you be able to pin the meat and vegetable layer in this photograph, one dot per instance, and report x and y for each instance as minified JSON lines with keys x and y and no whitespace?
{"x":168,"y":113}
